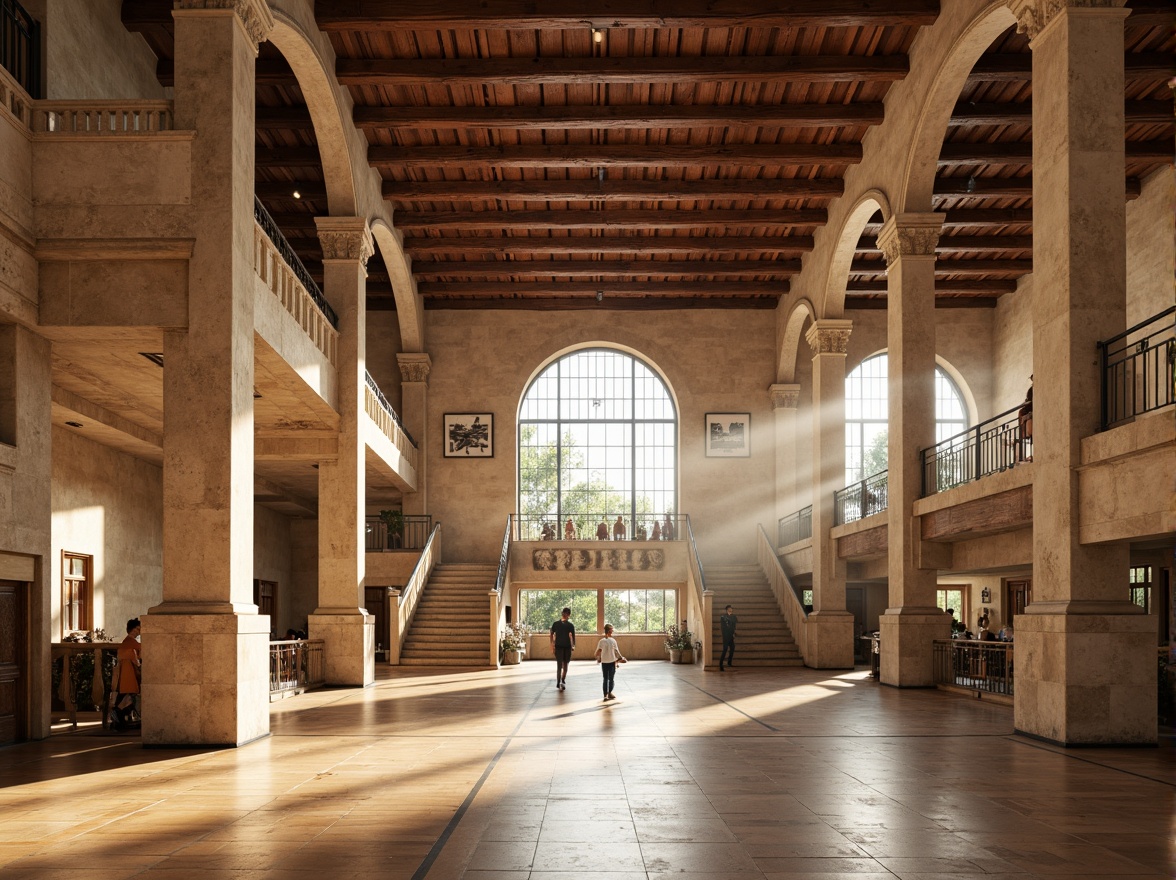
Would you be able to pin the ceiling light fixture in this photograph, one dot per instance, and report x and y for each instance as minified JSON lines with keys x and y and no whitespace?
{"x":297,"y":194}
{"x":599,"y":295}
{"x":597,"y":35}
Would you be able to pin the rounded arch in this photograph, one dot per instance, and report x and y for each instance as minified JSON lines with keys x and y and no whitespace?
{"x":409,"y":308}
{"x":326,"y":114}
{"x":918,"y":179}
{"x":801,"y":316}
{"x":841,"y":261}
{"x":961,"y":385}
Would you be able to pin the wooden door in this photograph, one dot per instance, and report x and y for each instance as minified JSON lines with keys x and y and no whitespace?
{"x":12,"y":661}
{"x":1020,"y":594}
{"x":855,"y":602}
{"x":375,"y":600}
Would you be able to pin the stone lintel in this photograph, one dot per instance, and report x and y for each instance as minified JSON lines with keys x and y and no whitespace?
{"x":829,"y":336}
{"x":254,"y":16}
{"x":784,"y":396}
{"x":910,"y":235}
{"x":198,"y":610}
{"x":414,"y":366}
{"x":1033,"y":16}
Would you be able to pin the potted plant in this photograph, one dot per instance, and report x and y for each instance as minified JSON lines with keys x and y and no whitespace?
{"x":513,"y":643}
{"x":394,"y":521}
{"x":680,"y":643}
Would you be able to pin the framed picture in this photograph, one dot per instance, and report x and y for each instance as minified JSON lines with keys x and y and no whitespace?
{"x":728,"y":435}
{"x":469,"y":435}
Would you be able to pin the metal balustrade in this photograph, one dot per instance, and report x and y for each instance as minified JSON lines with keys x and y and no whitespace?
{"x":863,"y":498}
{"x":413,"y":535}
{"x":585,"y":527}
{"x":296,"y":666}
{"x":985,"y":667}
{"x":795,"y":527}
{"x":383,"y":403}
{"x":20,"y":46}
{"x":274,"y":234}
{"x":1139,"y":369}
{"x":992,"y":446}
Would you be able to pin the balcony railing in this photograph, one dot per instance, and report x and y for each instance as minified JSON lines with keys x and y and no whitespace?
{"x":20,"y":46}
{"x":985,"y":667}
{"x":587,"y":527}
{"x":860,"y":500}
{"x":995,"y":445}
{"x":795,"y":527}
{"x":1139,"y":369}
{"x":415,"y":534}
{"x":382,"y":404}
{"x":296,"y":666}
{"x":102,"y":117}
{"x":274,"y":234}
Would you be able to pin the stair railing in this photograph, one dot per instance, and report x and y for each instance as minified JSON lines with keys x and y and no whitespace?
{"x":402,"y":603}
{"x":501,"y":593}
{"x":786,"y":597}
{"x":701,"y":596}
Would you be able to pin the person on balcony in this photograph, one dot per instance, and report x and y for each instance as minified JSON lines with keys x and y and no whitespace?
{"x":1025,"y":425}
{"x":602,"y":531}
{"x":668,"y":529}
{"x":619,"y":530}
{"x":569,"y":530}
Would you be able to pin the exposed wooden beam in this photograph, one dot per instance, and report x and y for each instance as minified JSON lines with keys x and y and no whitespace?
{"x":1021,"y":153}
{"x":950,"y":243}
{"x":1002,"y":187}
{"x":987,"y":285}
{"x":644,"y":244}
{"x":620,"y":116}
{"x":855,"y":301}
{"x":952,"y":267}
{"x":619,"y":70}
{"x":611,"y":190}
{"x":399,"y":15}
{"x":267,"y":71}
{"x":606,"y":268}
{"x":281,"y":189}
{"x":641,"y":219}
{"x":651,"y":303}
{"x":1150,"y":13}
{"x":288,"y":157}
{"x":1018,"y":67}
{"x":967,"y":115}
{"x":517,"y":289}
{"x":613,"y":156}
{"x":988,"y":217}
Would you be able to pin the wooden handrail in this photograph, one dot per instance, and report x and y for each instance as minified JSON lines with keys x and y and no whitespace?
{"x":786,"y":597}
{"x":402,"y":604}
{"x":501,"y":592}
{"x":696,"y":580}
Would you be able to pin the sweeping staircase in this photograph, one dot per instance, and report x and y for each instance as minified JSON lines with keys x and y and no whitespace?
{"x":763,"y":637}
{"x":449,"y":628}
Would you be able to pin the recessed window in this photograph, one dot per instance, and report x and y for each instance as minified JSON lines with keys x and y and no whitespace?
{"x":77,"y":596}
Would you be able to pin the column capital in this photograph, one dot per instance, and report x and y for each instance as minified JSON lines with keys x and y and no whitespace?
{"x":910,"y":235}
{"x":344,"y":238}
{"x":784,"y":396}
{"x":829,"y":335}
{"x":1033,"y":15}
{"x":254,"y":15}
{"x":414,"y":366}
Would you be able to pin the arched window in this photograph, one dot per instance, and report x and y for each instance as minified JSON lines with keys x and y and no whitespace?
{"x":866,"y":402}
{"x":598,"y":439}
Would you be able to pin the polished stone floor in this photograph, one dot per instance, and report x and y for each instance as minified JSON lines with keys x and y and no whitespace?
{"x":785,"y":773}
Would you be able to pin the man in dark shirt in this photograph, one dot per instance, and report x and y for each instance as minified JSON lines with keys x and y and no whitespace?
{"x":727,"y":623}
{"x":563,"y":642}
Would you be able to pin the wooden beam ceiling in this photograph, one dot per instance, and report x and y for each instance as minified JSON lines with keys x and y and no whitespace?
{"x":612,"y":190}
{"x":636,"y":245}
{"x":607,"y":268}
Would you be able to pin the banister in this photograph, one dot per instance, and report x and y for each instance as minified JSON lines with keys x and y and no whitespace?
{"x":407,"y":599}
{"x":697,"y":579}
{"x":501,"y":591}
{"x":786,"y":597}
{"x":270,"y":227}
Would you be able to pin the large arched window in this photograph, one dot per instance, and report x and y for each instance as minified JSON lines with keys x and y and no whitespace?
{"x":598,"y":438}
{"x":866,"y":402}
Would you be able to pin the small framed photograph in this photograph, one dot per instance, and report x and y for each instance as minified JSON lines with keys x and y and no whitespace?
{"x":728,"y":435}
{"x":469,"y":435}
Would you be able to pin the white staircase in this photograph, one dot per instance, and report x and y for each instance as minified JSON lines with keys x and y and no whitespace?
{"x":763,"y":637}
{"x":450,"y":624}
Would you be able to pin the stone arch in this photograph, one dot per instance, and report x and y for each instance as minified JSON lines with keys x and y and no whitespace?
{"x":612,"y":345}
{"x":801,"y":315}
{"x":918,"y":179}
{"x":409,"y":304}
{"x":841,"y":262}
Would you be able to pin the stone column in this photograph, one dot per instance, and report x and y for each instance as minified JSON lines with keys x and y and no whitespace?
{"x":1085,"y":655}
{"x":340,"y":620}
{"x":829,"y":633}
{"x":205,"y":648}
{"x":784,"y":403}
{"x":912,"y":620}
{"x":414,"y":402}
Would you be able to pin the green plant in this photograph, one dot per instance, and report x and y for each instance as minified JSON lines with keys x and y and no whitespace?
{"x":514,"y":637}
{"x":679,"y":638}
{"x":394,"y":520}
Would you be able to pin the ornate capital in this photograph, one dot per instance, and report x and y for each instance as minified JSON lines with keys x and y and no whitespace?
{"x":830,"y":336}
{"x":414,"y":366}
{"x":1034,"y":15}
{"x":784,"y":396}
{"x":344,"y":238}
{"x":254,"y":15}
{"x":910,"y":235}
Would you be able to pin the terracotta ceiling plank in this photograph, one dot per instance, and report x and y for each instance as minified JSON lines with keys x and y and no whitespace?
{"x":616,"y":116}
{"x":612,"y":190}
{"x":605,"y":268}
{"x":376,"y":15}
{"x":633,"y":219}
{"x":617,"y":70}
{"x":799,"y":244}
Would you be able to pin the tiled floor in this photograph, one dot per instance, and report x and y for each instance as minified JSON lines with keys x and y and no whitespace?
{"x":498,"y":776}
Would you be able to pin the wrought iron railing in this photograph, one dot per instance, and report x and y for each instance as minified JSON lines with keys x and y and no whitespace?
{"x":296,"y":666}
{"x":992,"y":446}
{"x":20,"y":46}
{"x":587,"y":527}
{"x":386,"y":406}
{"x":270,"y":228}
{"x":795,"y":527}
{"x":1139,"y":369}
{"x":861,"y":499}
{"x":412,"y":535}
{"x":986,"y":667}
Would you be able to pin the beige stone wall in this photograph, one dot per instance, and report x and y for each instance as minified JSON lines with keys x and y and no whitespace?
{"x":383,"y":343}
{"x":272,"y":562}
{"x":303,"y":595}
{"x":110,"y":506}
{"x":1151,"y":247}
{"x":90,"y":54}
{"x":713,"y":361}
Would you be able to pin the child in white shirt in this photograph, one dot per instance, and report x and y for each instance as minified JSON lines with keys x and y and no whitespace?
{"x":608,"y":655}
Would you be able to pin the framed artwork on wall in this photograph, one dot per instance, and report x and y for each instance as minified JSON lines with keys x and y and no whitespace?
{"x":728,"y":435}
{"x":469,"y":435}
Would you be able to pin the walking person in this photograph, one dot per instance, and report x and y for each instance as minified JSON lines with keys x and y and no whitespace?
{"x":127,"y":679}
{"x":608,"y":655}
{"x":727,"y":623}
{"x":563,"y":642}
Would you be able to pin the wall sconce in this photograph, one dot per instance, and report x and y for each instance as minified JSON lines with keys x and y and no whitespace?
{"x":597,"y":35}
{"x":599,"y":295}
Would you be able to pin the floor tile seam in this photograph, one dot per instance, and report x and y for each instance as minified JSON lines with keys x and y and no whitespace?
{"x":1070,"y":753}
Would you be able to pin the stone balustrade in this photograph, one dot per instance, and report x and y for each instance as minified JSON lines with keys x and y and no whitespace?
{"x":294,"y":297}
{"x":102,"y":117}
{"x":15,"y":99}
{"x":389,"y":424}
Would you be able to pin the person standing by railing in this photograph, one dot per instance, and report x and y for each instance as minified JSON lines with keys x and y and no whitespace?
{"x":1025,"y":424}
{"x":727,"y":624}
